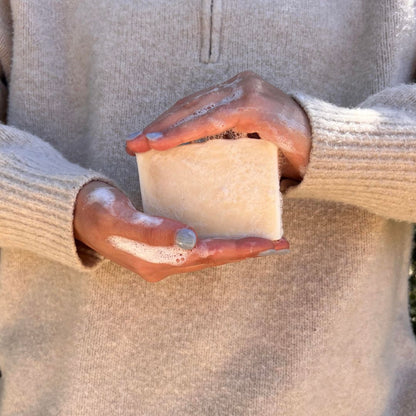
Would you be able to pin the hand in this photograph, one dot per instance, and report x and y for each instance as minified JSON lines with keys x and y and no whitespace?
{"x":245,"y":104}
{"x":153,"y":247}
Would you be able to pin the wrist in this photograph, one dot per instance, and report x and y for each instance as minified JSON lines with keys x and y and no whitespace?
{"x":83,"y":202}
{"x":301,"y":138}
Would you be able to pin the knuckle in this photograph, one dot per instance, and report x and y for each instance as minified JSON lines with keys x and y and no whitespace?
{"x":256,"y":86}
{"x":255,"y":93}
{"x":252,"y":98}
{"x":183,"y":102}
{"x":178,"y":103}
{"x":248,"y":74}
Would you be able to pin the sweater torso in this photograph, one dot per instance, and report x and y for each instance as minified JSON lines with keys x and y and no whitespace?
{"x":322,"y":331}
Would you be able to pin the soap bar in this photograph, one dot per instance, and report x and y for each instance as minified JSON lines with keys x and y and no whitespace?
{"x":222,"y":188}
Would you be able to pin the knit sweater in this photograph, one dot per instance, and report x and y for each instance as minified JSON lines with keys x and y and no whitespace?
{"x":323,"y":330}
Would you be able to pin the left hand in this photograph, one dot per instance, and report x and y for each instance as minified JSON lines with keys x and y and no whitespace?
{"x":154,"y":247}
{"x":245,"y":104}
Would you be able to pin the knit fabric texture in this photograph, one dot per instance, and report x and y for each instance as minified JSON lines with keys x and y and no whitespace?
{"x":321,"y":331}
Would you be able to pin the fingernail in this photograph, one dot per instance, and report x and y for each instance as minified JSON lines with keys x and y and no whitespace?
{"x":131,"y":136}
{"x":185,"y":238}
{"x":273,"y":252}
{"x":154,"y":136}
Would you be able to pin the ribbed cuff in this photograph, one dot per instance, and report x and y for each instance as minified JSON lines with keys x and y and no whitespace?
{"x":364,"y":157}
{"x":38,"y":190}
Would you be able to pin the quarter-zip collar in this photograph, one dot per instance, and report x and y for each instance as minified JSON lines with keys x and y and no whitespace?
{"x":211,"y":30}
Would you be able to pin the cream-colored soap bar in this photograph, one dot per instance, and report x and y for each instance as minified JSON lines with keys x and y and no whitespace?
{"x":222,"y":188}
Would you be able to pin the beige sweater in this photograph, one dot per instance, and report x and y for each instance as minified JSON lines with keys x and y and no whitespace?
{"x":322,"y":331}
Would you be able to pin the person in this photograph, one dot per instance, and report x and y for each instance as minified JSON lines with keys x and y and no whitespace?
{"x":324,"y":330}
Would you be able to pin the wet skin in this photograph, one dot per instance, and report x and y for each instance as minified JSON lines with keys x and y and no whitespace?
{"x":106,"y":221}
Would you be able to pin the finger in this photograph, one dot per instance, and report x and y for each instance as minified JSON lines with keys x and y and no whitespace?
{"x":137,"y":145}
{"x":219,"y":251}
{"x":155,"y":263}
{"x":182,"y":125}
{"x":187,"y":107}
{"x":216,"y":121}
{"x":207,"y":98}
{"x":215,"y":252}
{"x":184,"y":109}
{"x":118,"y":215}
{"x":206,"y":102}
{"x":156,"y":231}
{"x":112,"y":213}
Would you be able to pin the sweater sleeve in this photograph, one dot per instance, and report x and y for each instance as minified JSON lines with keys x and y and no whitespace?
{"x":38,"y":189}
{"x":38,"y":186}
{"x":364,"y":156}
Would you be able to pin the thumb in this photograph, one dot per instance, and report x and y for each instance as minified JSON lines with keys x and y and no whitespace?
{"x":103,"y":211}
{"x":159,"y":231}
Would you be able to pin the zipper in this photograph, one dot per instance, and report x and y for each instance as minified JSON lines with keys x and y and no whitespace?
{"x":211,"y":31}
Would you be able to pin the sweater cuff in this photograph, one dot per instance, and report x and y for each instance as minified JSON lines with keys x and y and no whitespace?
{"x":358,"y":156}
{"x":37,"y":210}
{"x":43,"y":221}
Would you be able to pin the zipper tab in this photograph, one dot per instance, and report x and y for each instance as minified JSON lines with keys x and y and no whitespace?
{"x":211,"y":31}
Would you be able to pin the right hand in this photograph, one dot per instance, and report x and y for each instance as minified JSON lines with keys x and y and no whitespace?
{"x":106,"y":221}
{"x":244,"y":104}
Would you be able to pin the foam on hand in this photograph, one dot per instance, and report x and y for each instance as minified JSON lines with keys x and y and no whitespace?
{"x":173,"y":255}
{"x":222,"y":188}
